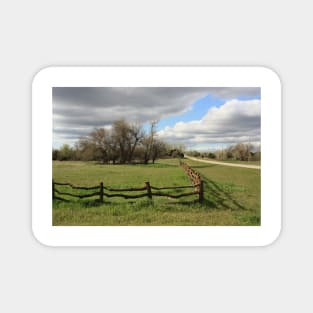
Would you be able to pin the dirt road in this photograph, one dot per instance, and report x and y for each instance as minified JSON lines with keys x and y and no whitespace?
{"x":224,"y":163}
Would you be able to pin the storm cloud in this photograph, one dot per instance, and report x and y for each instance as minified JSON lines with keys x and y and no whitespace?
{"x":78,"y":110}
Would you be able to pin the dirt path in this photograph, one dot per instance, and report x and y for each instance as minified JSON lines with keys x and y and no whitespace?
{"x":223,"y":163}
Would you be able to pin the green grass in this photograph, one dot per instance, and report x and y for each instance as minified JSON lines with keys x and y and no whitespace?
{"x":231,"y":197}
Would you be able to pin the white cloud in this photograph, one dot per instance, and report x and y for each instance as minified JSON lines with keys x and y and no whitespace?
{"x":235,"y":121}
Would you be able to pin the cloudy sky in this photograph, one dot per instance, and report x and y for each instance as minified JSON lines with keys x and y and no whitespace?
{"x":200,"y":118}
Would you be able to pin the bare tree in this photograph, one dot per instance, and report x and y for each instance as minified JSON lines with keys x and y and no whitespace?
{"x":122,"y":143}
{"x":241,"y":151}
{"x":99,"y":138}
{"x":85,"y":149}
{"x":120,"y":133}
{"x":136,"y":135}
{"x":127,"y":137}
{"x":148,"y":141}
{"x":158,"y":149}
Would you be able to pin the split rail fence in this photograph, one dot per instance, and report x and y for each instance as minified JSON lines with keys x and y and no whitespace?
{"x":102,"y":191}
{"x":195,"y":178}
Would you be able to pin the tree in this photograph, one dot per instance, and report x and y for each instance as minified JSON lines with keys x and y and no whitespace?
{"x":66,"y":153}
{"x":99,"y":138}
{"x":221,"y":154}
{"x":113,"y":150}
{"x":195,"y":153}
{"x":136,"y":135}
{"x":126,"y":136}
{"x":242,"y":151}
{"x":256,"y":156}
{"x":55,"y":154}
{"x":158,"y":149}
{"x":148,"y":142}
{"x":85,"y":149}
{"x":119,"y":134}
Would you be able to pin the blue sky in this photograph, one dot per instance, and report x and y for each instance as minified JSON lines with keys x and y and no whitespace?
{"x":198,"y":110}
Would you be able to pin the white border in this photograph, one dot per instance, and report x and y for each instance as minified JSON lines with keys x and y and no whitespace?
{"x":156,"y":235}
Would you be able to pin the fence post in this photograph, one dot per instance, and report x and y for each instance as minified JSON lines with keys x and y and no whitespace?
{"x":101,"y":192}
{"x":149,"y":193}
{"x":53,"y":193}
{"x":201,"y":191}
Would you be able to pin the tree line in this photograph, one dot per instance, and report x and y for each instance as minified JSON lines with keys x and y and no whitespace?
{"x":240,"y":152}
{"x":123,"y":143}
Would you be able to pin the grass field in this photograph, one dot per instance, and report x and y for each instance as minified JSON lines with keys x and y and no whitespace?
{"x":231,"y":195}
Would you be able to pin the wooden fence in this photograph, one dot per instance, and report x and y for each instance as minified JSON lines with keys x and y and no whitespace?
{"x":102,"y":191}
{"x":195,"y":178}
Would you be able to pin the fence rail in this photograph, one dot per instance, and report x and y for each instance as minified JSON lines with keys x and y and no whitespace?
{"x":125,"y":189}
{"x":195,"y":178}
{"x":76,"y":187}
{"x":74,"y":195}
{"x":177,"y":187}
{"x":151,"y":191}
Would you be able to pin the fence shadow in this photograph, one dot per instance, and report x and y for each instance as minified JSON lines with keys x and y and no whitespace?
{"x":138,"y":164}
{"x":216,"y":196}
{"x":90,"y":203}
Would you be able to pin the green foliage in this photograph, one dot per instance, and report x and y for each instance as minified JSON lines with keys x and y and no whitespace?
{"x":55,"y":154}
{"x":256,"y":156}
{"x":175,"y":153}
{"x":211,"y":155}
{"x":194,"y":153}
{"x":65,"y":153}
